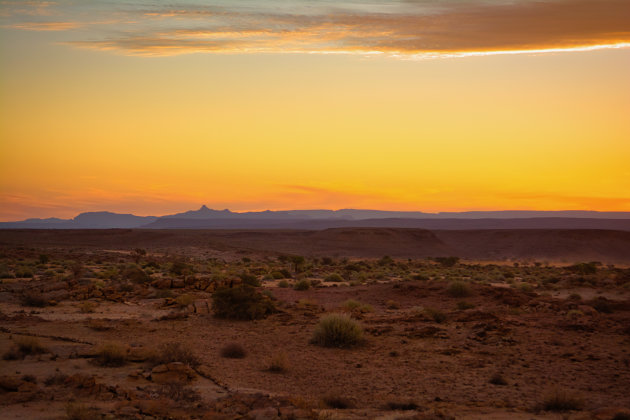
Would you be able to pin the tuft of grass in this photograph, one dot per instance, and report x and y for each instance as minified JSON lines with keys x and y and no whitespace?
{"x":435,"y":314}
{"x":233,"y":351}
{"x":111,"y":355}
{"x":356,"y":306}
{"x":174,"y":352}
{"x":498,"y":379}
{"x":337,"y":402}
{"x":337,"y":330}
{"x":24,"y":346}
{"x":283,"y":283}
{"x":402,"y":405}
{"x":278,"y":363}
{"x":562,"y":400}
{"x":87,"y":307}
{"x":184,"y":300}
{"x":458,"y":289}
{"x":463,"y":305}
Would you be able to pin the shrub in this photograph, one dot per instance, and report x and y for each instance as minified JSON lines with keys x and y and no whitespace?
{"x":174,"y":352}
{"x":435,"y":314}
{"x":302,"y":285}
{"x":355,"y":306}
{"x":278,"y":363}
{"x":30,"y":345}
{"x":392,"y":304}
{"x":241,"y":302}
{"x":402,"y":405}
{"x":337,"y":330}
{"x":87,"y":307}
{"x":35,"y":300}
{"x":561,"y":400}
{"x":136,"y":275}
{"x":337,"y":402}
{"x":249,"y":279}
{"x":333,"y":278}
{"x":463,"y":305}
{"x":276,"y":275}
{"x":446,"y":261}
{"x":497,"y":379}
{"x":24,"y":346}
{"x":111,"y":354}
{"x":184,"y":300}
{"x":233,"y":351}
{"x":458,"y":289}
{"x":283,"y":284}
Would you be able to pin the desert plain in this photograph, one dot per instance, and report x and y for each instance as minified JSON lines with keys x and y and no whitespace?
{"x":203,"y":324}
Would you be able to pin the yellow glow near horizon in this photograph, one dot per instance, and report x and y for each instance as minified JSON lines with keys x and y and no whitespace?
{"x":85,"y":130}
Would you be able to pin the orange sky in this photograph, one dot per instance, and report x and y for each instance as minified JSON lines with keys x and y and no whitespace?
{"x":158,"y":110}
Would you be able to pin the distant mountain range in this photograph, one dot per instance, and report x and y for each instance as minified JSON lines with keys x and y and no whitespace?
{"x":206,"y":218}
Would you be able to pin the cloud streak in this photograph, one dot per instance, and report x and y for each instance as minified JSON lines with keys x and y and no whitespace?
{"x":420,"y":29}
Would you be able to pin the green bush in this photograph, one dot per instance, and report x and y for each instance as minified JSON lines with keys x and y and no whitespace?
{"x":333,"y":278}
{"x":337,"y":330}
{"x":241,"y":302}
{"x":458,"y":289}
{"x":250,"y":279}
{"x":302,"y":285}
{"x":283,"y":284}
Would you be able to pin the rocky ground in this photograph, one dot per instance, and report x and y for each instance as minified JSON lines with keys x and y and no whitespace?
{"x":89,"y":332}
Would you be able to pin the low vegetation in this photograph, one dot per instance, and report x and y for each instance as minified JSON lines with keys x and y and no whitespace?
{"x":242,"y":303}
{"x":337,"y":330}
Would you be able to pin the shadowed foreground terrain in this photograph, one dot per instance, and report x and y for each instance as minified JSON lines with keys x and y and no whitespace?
{"x":208,"y":324}
{"x":554,"y":245}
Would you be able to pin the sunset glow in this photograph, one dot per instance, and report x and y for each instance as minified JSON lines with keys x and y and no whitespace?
{"x":254,"y":105}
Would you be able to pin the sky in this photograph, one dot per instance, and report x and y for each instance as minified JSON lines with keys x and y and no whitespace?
{"x":152,"y":107}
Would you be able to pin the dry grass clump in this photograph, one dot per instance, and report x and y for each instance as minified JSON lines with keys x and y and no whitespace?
{"x":498,"y":379}
{"x":337,"y":330}
{"x":334,"y":278}
{"x":81,"y":412}
{"x":24,"y":346}
{"x":302,"y":285}
{"x":435,"y":314}
{"x":278,"y":363}
{"x":337,"y":402}
{"x":402,"y":405}
{"x":392,"y":304}
{"x":458,"y":289}
{"x":174,"y":352}
{"x":356,"y":306}
{"x":87,"y":307}
{"x":562,"y":400}
{"x":184,"y":300}
{"x":111,"y":355}
{"x":233,"y":351}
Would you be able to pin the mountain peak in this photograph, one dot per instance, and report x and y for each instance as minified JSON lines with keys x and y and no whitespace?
{"x":204,"y":208}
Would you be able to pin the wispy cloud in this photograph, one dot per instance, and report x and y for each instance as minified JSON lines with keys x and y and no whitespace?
{"x":45,"y":26}
{"x":412,"y":28}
